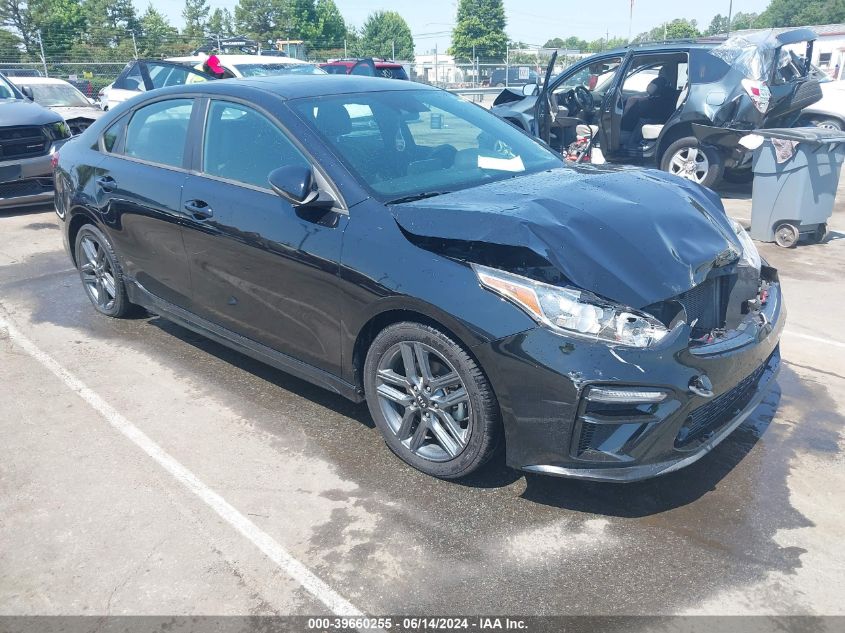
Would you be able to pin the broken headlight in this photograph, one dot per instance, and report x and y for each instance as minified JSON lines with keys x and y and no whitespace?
{"x":573,"y":311}
{"x":750,"y":255}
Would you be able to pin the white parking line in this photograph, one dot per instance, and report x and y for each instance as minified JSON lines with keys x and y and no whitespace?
{"x":272,"y":549}
{"x":817,"y":339}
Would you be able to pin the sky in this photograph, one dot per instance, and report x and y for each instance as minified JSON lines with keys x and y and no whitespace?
{"x":530,"y":21}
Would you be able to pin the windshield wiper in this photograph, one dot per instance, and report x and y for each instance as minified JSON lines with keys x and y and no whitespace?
{"x":417,"y":196}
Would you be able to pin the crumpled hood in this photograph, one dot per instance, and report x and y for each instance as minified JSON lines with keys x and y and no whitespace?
{"x":20,"y":112}
{"x":79,"y":113}
{"x":631,"y":235}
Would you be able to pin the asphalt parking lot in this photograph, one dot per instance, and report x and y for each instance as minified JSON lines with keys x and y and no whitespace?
{"x":146,"y":470}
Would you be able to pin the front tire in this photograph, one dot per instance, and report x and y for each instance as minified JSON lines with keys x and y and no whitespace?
{"x":100,"y":273}
{"x":431,"y":401}
{"x":687,"y":159}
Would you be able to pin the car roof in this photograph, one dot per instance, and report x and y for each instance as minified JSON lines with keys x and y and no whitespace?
{"x":298,"y":86}
{"x":351,"y":62}
{"x":234,"y":60}
{"x":29,"y":81}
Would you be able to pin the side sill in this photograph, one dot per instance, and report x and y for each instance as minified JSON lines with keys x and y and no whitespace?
{"x":140,"y":296}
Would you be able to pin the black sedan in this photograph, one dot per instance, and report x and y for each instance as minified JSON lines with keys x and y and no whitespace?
{"x":397,"y":244}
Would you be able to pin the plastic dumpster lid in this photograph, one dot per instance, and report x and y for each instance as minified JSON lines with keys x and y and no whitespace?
{"x":804,"y":134}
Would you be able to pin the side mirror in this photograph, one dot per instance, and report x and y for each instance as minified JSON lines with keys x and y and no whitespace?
{"x":295,"y":184}
{"x":529,"y":90}
{"x":27,"y":92}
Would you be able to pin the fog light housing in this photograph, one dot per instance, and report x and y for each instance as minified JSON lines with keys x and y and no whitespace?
{"x":625,"y":395}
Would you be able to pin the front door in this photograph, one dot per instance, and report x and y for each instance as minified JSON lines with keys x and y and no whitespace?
{"x":260,"y":267}
{"x":138,"y":191}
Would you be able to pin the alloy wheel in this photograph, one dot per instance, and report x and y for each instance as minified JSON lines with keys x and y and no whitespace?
{"x":424,"y":401}
{"x":97,"y":273}
{"x":690,"y":163}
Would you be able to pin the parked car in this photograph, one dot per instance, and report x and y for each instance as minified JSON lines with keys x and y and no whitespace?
{"x":516,"y":76}
{"x":394,"y":243}
{"x":29,"y":136}
{"x":62,"y":98}
{"x":700,"y":99}
{"x":20,"y":72}
{"x":368,"y":67}
{"x":829,"y":111}
{"x":148,"y":74}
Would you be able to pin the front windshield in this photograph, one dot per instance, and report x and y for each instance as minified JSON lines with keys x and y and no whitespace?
{"x":415,"y":142}
{"x":266,"y":70}
{"x":58,"y":96}
{"x":6,"y":91}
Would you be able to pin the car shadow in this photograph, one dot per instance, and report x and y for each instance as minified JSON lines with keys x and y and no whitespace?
{"x":638,"y":499}
{"x":11,"y":212}
{"x":277,"y":377}
{"x":734,"y":191}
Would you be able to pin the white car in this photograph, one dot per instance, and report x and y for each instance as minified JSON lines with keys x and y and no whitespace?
{"x":145,"y":75}
{"x":829,"y":112}
{"x":61,"y":97}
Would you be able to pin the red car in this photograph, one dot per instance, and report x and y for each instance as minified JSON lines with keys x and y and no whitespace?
{"x":368,"y":67}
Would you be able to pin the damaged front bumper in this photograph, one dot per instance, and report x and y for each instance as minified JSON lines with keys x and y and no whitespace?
{"x":556,"y":424}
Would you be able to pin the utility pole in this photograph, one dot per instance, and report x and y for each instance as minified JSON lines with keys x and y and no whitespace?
{"x":630,"y":21}
{"x":507,"y":64}
{"x":345,"y":54}
{"x":393,"y":44}
{"x":134,"y":44}
{"x":475,"y":71}
{"x":730,"y":15}
{"x":43,"y":59}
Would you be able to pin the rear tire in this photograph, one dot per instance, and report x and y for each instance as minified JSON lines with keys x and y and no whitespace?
{"x":101,"y":274}
{"x":828,"y":124}
{"x":687,"y":159}
{"x":430,"y":400}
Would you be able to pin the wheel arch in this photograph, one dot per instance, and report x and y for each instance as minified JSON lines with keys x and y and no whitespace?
{"x":678,"y":131}
{"x":79,"y":217}
{"x":391,"y":315}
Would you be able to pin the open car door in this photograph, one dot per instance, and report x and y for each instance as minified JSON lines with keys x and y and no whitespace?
{"x":543,"y":107}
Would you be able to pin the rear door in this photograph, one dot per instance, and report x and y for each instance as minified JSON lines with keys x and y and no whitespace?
{"x":260,"y":267}
{"x":138,"y":192}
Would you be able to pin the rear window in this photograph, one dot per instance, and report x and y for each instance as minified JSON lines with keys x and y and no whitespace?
{"x":707,"y":68}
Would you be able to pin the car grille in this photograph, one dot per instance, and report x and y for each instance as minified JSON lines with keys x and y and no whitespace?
{"x":711,"y":416}
{"x":23,"y":142}
{"x":28,"y":187}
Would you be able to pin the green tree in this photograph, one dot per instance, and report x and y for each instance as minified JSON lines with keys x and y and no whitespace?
{"x":17,"y":15}
{"x":196,"y":15}
{"x":109,"y":22}
{"x":382,"y":31}
{"x":802,"y":13}
{"x":331,"y":27}
{"x":678,"y":28}
{"x":158,"y":34}
{"x":59,"y":22}
{"x":258,"y":19}
{"x":299,"y":19}
{"x":718,"y":25}
{"x":743,"y":21}
{"x":220,"y":23}
{"x":480,"y":26}
{"x":10,"y":45}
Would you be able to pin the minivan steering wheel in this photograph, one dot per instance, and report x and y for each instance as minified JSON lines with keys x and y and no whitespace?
{"x":584,"y":98}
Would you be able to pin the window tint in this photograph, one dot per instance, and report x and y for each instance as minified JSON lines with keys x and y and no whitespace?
{"x":163,"y":75}
{"x":158,"y":132}
{"x":243,"y":145}
{"x":402,"y":143}
{"x":113,"y":134}
{"x":707,"y":68}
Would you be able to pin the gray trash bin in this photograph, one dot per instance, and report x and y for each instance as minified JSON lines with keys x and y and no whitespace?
{"x":794,"y":195}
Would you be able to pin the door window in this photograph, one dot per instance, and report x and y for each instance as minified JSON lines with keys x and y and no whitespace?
{"x":163,"y":75}
{"x":596,"y":77}
{"x":244,"y":145}
{"x":157,"y":132}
